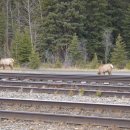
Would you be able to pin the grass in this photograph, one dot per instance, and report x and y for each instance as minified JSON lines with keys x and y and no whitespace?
{"x":81,"y":91}
{"x":99,"y":93}
{"x":71,"y":93}
{"x":51,"y":67}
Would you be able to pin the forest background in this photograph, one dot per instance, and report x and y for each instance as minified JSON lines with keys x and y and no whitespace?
{"x":82,"y":33}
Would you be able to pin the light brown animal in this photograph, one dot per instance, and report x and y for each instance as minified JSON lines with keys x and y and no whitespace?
{"x":4,"y":62}
{"x":106,"y":68}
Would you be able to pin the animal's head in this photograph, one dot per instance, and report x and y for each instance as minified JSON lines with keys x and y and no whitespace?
{"x":111,"y":66}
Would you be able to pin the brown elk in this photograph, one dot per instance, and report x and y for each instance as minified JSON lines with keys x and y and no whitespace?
{"x":4,"y":62}
{"x":105,"y":68}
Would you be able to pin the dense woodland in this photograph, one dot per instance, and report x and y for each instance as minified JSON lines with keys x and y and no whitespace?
{"x":67,"y":32}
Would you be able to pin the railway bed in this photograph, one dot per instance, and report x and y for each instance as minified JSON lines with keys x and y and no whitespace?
{"x":67,"y":77}
{"x":72,"y":90}
{"x":74,"y":108}
{"x":84,"y":85}
{"x":54,"y":116}
{"x":44,"y":125}
{"x":81,"y":84}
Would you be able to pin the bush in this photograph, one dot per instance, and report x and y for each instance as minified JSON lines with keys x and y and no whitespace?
{"x":80,"y":64}
{"x":34,"y":60}
{"x":128,"y":65}
{"x":119,"y":55}
{"x":99,"y":93}
{"x":81,"y":91}
{"x":94,"y":63}
{"x":58,"y":64}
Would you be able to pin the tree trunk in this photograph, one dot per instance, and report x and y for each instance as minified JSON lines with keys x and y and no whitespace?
{"x":29,"y":21}
{"x":6,"y":47}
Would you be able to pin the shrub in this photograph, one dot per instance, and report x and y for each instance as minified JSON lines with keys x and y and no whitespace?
{"x":34,"y":60}
{"x":128,"y":65}
{"x":98,"y":93}
{"x":58,"y":64}
{"x":81,"y":91}
{"x":71,"y":93}
{"x":94,"y":63}
{"x":119,"y":57}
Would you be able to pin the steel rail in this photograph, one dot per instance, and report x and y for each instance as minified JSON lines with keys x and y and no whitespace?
{"x":76,"y":77}
{"x":66,"y":91}
{"x":103,"y":121}
{"x":67,"y":85}
{"x":112,"y":107}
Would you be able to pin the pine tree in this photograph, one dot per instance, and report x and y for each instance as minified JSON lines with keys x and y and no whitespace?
{"x":34,"y":60}
{"x":2,"y":33}
{"x":15,"y":45}
{"x":96,"y":22}
{"x":116,"y":12}
{"x":94,"y":63}
{"x":52,"y":24}
{"x":126,"y":30}
{"x":61,"y":19}
{"x":119,"y":57}
{"x":74,"y":51}
{"x":22,"y":47}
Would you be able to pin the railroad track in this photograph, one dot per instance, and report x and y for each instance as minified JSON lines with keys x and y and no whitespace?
{"x":65,"y":88}
{"x":67,"y":77}
{"x":116,"y":85}
{"x":68,"y":118}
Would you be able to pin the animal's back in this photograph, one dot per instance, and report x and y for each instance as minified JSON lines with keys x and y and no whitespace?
{"x":105,"y":68}
{"x":6,"y":61}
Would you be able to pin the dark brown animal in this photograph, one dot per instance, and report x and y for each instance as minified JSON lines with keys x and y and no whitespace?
{"x":106,"y":68}
{"x":4,"y":62}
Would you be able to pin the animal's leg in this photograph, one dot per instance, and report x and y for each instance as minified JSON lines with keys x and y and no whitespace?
{"x":3,"y":67}
{"x":11,"y":67}
{"x":98,"y":73}
{"x":109,"y":72}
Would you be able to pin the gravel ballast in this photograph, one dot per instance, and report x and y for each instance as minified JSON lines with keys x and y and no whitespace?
{"x":20,"y":125}
{"x":37,"y":125}
{"x":60,"y":97}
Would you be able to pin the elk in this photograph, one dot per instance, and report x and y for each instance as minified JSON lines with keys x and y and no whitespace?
{"x":105,"y":68}
{"x":4,"y":62}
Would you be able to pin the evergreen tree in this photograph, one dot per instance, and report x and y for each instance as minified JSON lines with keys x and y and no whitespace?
{"x":107,"y":43}
{"x":2,"y":33}
{"x":74,"y":51}
{"x":116,"y":12}
{"x":52,"y":24}
{"x":61,"y":20}
{"x":96,"y":22}
{"x":126,"y":30}
{"x":15,"y":46}
{"x":94,"y":63}
{"x":34,"y":60}
{"x":25,"y":48}
{"x":119,"y":57}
